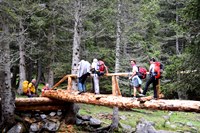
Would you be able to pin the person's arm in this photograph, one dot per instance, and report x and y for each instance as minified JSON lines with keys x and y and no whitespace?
{"x":106,"y":69}
{"x":134,"y":73}
{"x":29,"y":88}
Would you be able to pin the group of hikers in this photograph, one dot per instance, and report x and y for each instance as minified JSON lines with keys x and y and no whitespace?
{"x":85,"y":69}
{"x":98,"y":68}
{"x":30,"y":90}
{"x":155,"y":71}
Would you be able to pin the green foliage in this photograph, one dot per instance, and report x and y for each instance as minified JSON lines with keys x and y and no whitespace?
{"x":149,"y":29}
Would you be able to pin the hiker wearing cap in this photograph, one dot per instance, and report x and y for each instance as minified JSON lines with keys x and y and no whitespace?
{"x":136,"y":81}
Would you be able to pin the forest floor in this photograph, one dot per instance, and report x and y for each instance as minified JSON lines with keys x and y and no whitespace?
{"x":164,"y":120}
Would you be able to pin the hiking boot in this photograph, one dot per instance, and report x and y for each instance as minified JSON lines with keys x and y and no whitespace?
{"x":80,"y":92}
{"x":155,"y":98}
{"x":141,"y":95}
{"x":134,"y":98}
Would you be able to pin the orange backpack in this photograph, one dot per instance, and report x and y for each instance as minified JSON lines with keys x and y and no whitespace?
{"x":157,"y":69}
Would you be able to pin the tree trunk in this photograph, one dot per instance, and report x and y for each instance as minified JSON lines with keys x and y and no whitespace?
{"x":51,"y":44}
{"x":22,"y":70}
{"x":182,"y":94}
{"x":7,"y":94}
{"x":115,"y":118}
{"x":14,"y":77}
{"x":177,"y":43}
{"x":124,"y":102}
{"x":50,"y":77}
{"x":76,"y":39}
{"x":2,"y":81}
{"x":71,"y":114}
{"x":39,"y":74}
{"x":29,"y":69}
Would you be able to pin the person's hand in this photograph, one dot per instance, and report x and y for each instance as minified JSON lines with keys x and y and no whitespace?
{"x":130,"y":78}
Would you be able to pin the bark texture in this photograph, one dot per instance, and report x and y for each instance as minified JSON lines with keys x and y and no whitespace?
{"x":40,"y":103}
{"x":22,"y":66}
{"x":124,"y":102}
{"x":76,"y":38}
{"x":7,"y":94}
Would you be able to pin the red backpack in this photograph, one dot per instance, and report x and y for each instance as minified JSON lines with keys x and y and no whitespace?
{"x":142,"y":72}
{"x":101,"y":66}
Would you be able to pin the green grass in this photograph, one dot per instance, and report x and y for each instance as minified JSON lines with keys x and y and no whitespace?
{"x":180,"y":119}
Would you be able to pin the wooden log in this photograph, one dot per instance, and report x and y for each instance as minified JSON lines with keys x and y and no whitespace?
{"x":59,"y":82}
{"x":69,"y":87}
{"x":63,"y":79}
{"x":37,"y":101}
{"x":124,"y":102}
{"x":41,"y":108}
{"x":114,"y":81}
{"x":115,"y":86}
{"x":40,"y":103}
{"x":117,"y":74}
{"x":125,"y":74}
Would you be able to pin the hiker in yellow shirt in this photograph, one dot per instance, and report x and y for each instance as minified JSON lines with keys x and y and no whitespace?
{"x":31,"y":88}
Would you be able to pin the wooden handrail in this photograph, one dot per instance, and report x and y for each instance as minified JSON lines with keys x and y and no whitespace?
{"x":115,"y":85}
{"x":63,"y":79}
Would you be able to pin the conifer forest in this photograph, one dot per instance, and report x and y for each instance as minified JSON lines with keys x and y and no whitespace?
{"x":46,"y":39}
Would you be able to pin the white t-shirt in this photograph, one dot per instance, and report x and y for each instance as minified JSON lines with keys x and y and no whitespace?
{"x":151,"y":68}
{"x":135,"y":68}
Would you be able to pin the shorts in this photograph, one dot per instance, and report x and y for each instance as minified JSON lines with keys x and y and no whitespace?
{"x":136,"y":81}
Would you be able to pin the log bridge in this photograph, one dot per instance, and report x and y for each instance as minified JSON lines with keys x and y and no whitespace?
{"x":57,"y":99}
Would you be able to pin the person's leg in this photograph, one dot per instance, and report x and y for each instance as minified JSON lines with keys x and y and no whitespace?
{"x":155,"y":82}
{"x":84,"y":77}
{"x":140,"y":90}
{"x":134,"y":91}
{"x":80,"y":86}
{"x":84,"y":87}
{"x":96,"y":83}
{"x":92,"y":88}
{"x":149,"y":81}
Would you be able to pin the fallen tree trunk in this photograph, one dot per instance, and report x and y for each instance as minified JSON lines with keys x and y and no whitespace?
{"x":38,"y":101}
{"x":42,"y":108}
{"x":124,"y":102}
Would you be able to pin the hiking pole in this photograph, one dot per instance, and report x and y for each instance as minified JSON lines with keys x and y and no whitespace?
{"x":130,"y":84}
